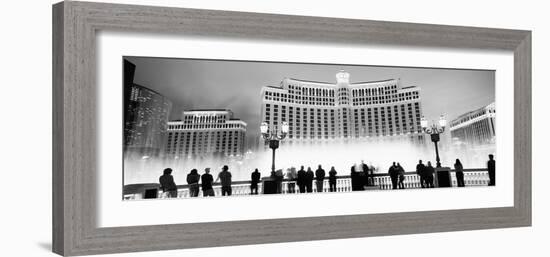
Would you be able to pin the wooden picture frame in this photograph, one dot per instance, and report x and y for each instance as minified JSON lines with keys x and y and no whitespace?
{"x":74,"y":130}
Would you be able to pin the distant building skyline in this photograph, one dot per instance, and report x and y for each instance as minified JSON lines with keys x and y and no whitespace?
{"x":145,"y":118}
{"x":206,"y":133}
{"x":476,"y":127}
{"x":236,"y":85}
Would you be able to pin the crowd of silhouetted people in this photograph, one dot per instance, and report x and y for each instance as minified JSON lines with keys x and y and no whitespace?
{"x":168,"y":185}
{"x":304,"y":179}
{"x":362,"y":177}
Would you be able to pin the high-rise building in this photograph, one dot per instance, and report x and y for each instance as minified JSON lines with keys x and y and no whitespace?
{"x":206,"y":133}
{"x":476,"y":127}
{"x":145,"y":116}
{"x":343,"y":111}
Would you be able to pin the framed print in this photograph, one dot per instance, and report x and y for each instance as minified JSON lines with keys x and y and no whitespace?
{"x":278,"y":128}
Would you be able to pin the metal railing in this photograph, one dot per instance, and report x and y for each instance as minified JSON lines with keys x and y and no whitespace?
{"x":381,"y":181}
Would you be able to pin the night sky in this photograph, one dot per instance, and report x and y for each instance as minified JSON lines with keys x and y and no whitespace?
{"x":236,"y":85}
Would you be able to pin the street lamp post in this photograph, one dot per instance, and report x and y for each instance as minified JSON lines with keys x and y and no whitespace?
{"x":273,"y":136}
{"x":434,"y":132}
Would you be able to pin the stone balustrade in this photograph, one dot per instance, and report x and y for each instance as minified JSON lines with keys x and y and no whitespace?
{"x":472,"y":177}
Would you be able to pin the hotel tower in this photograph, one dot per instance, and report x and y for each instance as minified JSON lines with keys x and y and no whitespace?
{"x":324,"y":112}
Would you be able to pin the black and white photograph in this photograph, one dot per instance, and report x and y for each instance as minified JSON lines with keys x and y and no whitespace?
{"x":245,"y":128}
{"x":226,"y":128}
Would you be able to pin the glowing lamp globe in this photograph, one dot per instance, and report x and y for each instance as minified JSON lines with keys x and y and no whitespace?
{"x":284,"y":127}
{"x":264,"y":128}
{"x":424,"y":122}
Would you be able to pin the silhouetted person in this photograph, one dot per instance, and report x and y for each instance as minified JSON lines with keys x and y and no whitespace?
{"x":254,"y":180}
{"x":372,"y":170}
{"x":365,"y":169}
{"x":319,"y":179}
{"x":167,"y":184}
{"x":278,"y":178}
{"x":356,"y":183}
{"x":309,"y":180}
{"x":393,"y":172}
{"x":225,"y":177}
{"x":459,"y":172}
{"x":401,"y":174}
{"x":421,"y":172}
{"x":301,"y":179}
{"x":291,"y":176}
{"x":491,"y":169}
{"x":429,"y":173}
{"x":206,"y":183}
{"x":332,"y":179}
{"x":193,"y":181}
